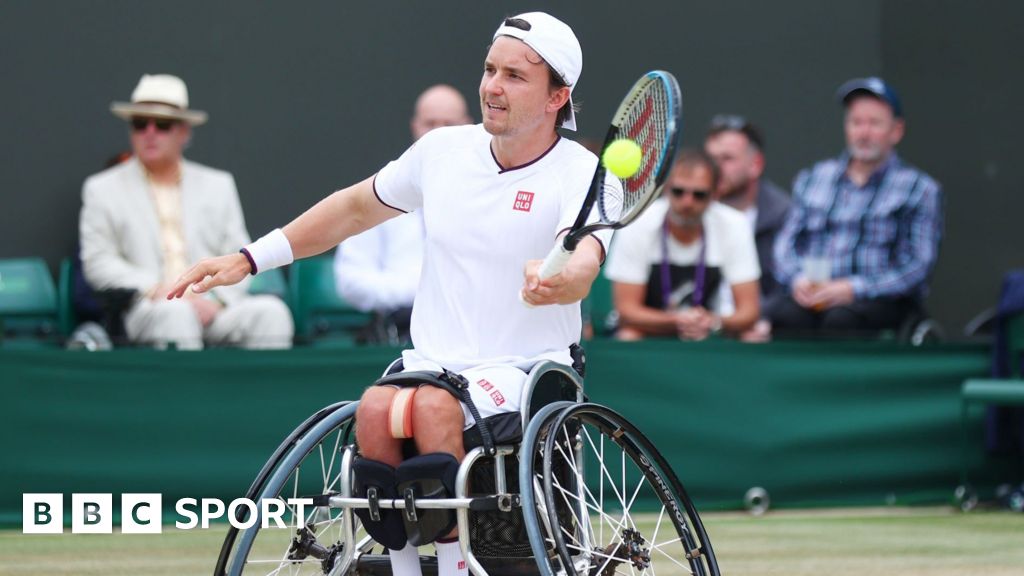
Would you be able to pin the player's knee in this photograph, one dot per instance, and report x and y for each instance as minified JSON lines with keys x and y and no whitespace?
{"x":424,"y":404}
{"x":374,"y":405}
{"x":434,"y":403}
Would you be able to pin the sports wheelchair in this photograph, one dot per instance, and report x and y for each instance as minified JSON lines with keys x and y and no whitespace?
{"x":522,"y":501}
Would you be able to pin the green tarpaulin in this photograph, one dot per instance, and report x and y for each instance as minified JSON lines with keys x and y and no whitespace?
{"x":844,"y":423}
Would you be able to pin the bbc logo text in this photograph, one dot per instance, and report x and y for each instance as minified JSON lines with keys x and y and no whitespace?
{"x":93,"y":513}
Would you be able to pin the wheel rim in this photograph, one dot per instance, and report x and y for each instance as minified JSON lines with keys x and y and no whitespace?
{"x":318,"y":465}
{"x":630,"y":516}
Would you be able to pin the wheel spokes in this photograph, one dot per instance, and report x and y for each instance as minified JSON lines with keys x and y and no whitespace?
{"x":614,"y":528}
{"x":318,"y":473}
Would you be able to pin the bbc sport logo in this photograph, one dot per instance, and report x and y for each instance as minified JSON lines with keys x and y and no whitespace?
{"x":143,"y":513}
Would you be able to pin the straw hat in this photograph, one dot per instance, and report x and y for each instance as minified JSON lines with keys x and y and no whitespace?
{"x":159,"y":96}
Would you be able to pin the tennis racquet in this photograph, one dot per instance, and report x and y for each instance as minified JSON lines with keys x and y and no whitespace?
{"x":650,"y":115}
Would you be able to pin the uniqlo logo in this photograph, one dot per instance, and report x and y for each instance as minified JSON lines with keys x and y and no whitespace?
{"x":485,"y":384}
{"x":524,"y":201}
{"x":462,"y":565}
{"x":497,"y":397}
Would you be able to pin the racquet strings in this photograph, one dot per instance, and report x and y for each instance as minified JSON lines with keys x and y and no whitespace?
{"x":645,"y":121}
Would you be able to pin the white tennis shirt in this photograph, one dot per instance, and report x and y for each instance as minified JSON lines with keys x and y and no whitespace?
{"x":483,"y":222}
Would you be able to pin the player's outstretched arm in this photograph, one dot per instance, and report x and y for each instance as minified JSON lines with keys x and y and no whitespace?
{"x":341,"y":215}
{"x":570,"y":285}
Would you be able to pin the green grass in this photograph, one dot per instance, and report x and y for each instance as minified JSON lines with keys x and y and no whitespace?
{"x":933,"y":542}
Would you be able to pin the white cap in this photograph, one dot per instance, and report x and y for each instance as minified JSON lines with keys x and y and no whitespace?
{"x":553,"y":41}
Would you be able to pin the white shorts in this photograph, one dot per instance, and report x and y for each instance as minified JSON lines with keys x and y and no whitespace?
{"x":494,"y":388}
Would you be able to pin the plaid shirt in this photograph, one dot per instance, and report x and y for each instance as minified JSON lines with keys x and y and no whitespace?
{"x":883,"y":237}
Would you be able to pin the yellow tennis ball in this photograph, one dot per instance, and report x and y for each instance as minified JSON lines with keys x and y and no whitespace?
{"x":623,"y":157}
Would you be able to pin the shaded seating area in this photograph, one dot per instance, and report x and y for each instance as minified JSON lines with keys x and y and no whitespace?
{"x":37,"y":310}
{"x":322,"y":317}
{"x":28,"y":302}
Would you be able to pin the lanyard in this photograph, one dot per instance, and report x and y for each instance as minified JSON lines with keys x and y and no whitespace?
{"x":666,"y":278}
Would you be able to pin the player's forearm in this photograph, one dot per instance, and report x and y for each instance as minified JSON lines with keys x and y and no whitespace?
{"x":585,"y":265}
{"x":343,"y":214}
{"x":333,"y":219}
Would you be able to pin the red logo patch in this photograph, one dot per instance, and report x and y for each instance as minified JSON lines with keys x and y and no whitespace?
{"x":497,"y":397}
{"x":462,"y":565}
{"x":485,"y":384}
{"x":524,"y":201}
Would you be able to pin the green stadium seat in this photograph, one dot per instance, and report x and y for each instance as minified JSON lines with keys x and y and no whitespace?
{"x":28,"y":301}
{"x":993,"y":391}
{"x":322,"y":318}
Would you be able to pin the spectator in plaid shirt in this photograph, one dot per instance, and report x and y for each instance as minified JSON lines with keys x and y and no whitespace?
{"x":863,"y":233}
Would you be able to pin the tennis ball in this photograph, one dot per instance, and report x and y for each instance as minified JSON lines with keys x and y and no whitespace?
{"x":623,"y":157}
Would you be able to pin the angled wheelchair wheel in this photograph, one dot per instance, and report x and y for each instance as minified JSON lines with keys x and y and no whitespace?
{"x":313,"y":463}
{"x":263,"y":476}
{"x":606,"y":501}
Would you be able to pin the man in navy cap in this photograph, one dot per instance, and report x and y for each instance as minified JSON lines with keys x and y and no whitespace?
{"x":863,"y":234}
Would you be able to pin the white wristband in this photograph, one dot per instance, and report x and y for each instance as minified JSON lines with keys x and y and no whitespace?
{"x":271,"y":251}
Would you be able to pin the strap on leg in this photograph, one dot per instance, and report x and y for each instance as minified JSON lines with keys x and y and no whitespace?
{"x":400,"y":413}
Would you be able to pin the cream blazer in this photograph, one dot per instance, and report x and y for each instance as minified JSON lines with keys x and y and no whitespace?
{"x":119,"y":234}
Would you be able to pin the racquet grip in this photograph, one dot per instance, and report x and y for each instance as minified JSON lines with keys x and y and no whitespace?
{"x":554,"y":262}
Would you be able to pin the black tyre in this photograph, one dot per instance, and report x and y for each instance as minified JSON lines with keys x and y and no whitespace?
{"x":628,"y":514}
{"x":313,"y":462}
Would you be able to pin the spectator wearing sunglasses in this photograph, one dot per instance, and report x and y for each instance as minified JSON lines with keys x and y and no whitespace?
{"x":687,"y":268}
{"x":143,"y":220}
{"x":863,"y":235}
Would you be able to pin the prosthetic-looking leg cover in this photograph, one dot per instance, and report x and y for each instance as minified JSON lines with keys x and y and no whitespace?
{"x":400,"y":413}
{"x":427,"y":476}
{"x":376,"y":481}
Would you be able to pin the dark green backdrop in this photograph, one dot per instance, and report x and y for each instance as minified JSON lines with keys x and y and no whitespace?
{"x":814,"y":424}
{"x":307,"y":97}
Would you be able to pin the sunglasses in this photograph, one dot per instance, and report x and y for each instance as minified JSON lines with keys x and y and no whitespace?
{"x":140,"y":124}
{"x":700,"y":195}
{"x":736,"y":123}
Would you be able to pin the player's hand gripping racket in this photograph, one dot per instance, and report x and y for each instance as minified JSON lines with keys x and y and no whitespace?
{"x":650,"y":115}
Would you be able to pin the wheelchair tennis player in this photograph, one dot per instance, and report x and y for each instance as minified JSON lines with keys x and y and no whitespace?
{"x":494,"y":197}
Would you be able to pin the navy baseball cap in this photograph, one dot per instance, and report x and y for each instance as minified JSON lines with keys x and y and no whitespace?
{"x":873,"y":86}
